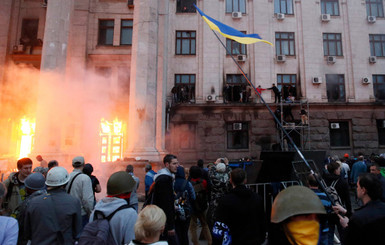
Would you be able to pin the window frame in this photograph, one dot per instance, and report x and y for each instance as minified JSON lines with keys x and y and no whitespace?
{"x":373,"y":42}
{"x":346,"y":134}
{"x":240,"y":8}
{"x":234,"y":45}
{"x":340,"y":83}
{"x":106,"y":28}
{"x":279,"y":41}
{"x":335,"y":7}
{"x":230,"y":131}
{"x":123,"y":28}
{"x":281,"y":84}
{"x":379,"y":6}
{"x":380,"y":131}
{"x":377,"y":85}
{"x":179,"y":9}
{"x":190,"y":41}
{"x":336,"y":42}
{"x":191,"y":85}
{"x":278,"y":7}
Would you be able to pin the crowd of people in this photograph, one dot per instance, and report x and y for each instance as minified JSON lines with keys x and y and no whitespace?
{"x":57,"y":207}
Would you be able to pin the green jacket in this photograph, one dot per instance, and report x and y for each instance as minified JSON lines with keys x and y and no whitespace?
{"x":13,"y":198}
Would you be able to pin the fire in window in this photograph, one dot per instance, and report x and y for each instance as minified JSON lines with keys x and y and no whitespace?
{"x":111,"y":135}
{"x":27,"y":130}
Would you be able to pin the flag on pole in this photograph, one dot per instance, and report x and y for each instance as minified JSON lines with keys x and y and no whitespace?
{"x":230,"y":32}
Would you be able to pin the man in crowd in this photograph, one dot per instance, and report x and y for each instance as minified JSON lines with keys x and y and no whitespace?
{"x":52,"y":163}
{"x":34,"y":186}
{"x":134,"y":196}
{"x":164,"y":196}
{"x":295,"y":217}
{"x":367,"y":223}
{"x":122,"y":217}
{"x":358,"y":168}
{"x":15,"y":185}
{"x":277,"y":93}
{"x":242,"y":202}
{"x":53,"y":218}
{"x":43,"y":163}
{"x":80,"y":186}
{"x":375,"y":169}
{"x":149,"y":178}
{"x":8,"y":225}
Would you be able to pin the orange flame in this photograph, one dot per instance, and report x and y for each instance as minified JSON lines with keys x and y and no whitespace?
{"x":27,"y":128}
{"x":111,"y":134}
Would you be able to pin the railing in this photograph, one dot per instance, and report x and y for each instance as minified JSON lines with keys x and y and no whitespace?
{"x":270,"y":190}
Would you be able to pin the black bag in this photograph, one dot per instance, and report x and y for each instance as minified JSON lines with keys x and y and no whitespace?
{"x":182,"y":206}
{"x":98,"y":231}
{"x":200,"y":202}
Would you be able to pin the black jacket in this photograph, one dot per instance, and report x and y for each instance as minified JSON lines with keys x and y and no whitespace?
{"x":242,"y":211}
{"x":164,"y":198}
{"x":367,"y":224}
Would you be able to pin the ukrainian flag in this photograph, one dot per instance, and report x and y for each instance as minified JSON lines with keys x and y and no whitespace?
{"x":230,"y":32}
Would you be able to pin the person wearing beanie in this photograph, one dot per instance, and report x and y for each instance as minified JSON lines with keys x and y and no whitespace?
{"x":53,"y":218}
{"x":80,"y":186}
{"x":34,"y":186}
{"x":119,"y":188}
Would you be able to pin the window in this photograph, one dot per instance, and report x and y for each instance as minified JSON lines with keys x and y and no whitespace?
{"x":106,"y":32}
{"x":283,"y":6}
{"x":184,"y":89}
{"x":381,"y":132}
{"x":235,"y":88}
{"x":379,"y":87}
{"x":332,"y":44}
{"x":235,"y":47}
{"x":236,"y":6}
{"x":237,"y":135}
{"x":126,"y":32}
{"x":185,"y":6}
{"x":375,"y":8}
{"x":377,"y":45}
{"x":185,"y":42}
{"x":284,"y":43}
{"x":339,"y":134}
{"x":287,"y":84}
{"x":29,"y":31}
{"x":186,"y":136}
{"x":335,"y":86}
{"x":330,"y":7}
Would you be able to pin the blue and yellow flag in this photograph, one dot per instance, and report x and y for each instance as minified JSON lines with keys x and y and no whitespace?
{"x":230,"y":32}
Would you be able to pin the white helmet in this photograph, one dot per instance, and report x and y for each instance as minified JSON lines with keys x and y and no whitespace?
{"x":57,"y":176}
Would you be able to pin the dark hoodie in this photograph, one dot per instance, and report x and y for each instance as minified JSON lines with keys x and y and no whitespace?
{"x":181,"y":185}
{"x":242,"y":211}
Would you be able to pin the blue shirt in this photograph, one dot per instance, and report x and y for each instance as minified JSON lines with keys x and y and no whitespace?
{"x":358,"y":168}
{"x":149,"y":179}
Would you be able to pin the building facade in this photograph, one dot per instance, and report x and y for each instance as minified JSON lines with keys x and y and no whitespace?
{"x":178,"y":90}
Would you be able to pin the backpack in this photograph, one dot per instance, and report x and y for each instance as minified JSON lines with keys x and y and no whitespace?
{"x":183,"y":210}
{"x":331,"y":190}
{"x":200,"y":203}
{"x":98,"y":231}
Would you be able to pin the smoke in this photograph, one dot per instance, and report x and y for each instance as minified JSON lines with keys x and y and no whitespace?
{"x":68,"y":109}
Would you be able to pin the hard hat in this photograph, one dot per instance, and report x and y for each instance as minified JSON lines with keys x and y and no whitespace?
{"x":295,"y":200}
{"x":346,"y":155}
{"x":57,"y":176}
{"x":35,"y":181}
{"x":119,"y":183}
